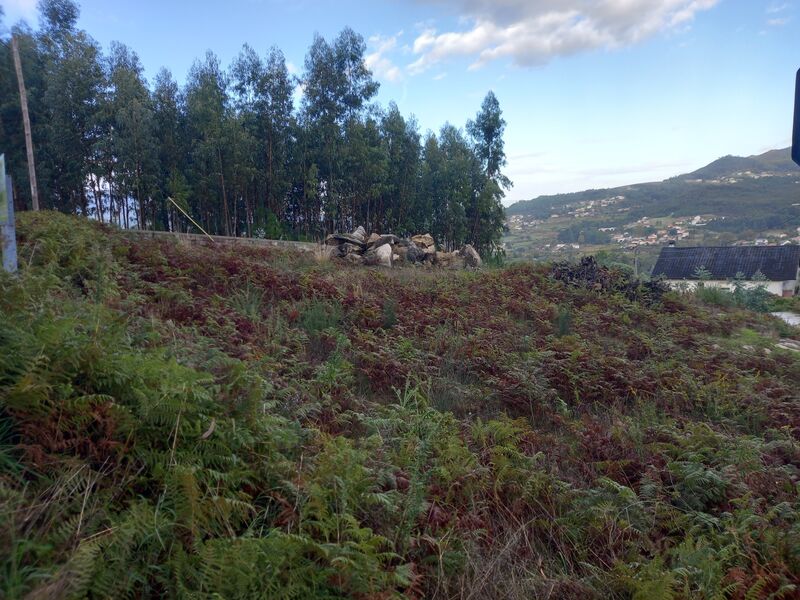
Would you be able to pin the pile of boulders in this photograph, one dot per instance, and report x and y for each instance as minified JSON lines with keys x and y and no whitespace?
{"x":390,"y":250}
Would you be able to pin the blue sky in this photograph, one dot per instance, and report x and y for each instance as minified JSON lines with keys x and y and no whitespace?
{"x":596,"y":93}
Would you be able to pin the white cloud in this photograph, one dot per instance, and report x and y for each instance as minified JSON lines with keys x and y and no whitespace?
{"x":776,"y":8}
{"x":774,"y":11}
{"x":377,"y":61}
{"x":19,"y":9}
{"x":532,"y":32}
{"x":298,"y":93}
{"x":777,"y":22}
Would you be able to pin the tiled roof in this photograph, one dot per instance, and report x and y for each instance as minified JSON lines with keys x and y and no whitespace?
{"x":776,"y":263}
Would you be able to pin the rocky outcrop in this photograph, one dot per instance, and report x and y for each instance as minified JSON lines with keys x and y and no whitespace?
{"x":471,"y":257}
{"x":388,"y":239}
{"x":389,"y":250}
{"x":414,"y":254}
{"x":360,"y":234}
{"x":449,"y":260}
{"x":381,"y":255}
{"x":336,"y":239}
{"x":424,"y":241}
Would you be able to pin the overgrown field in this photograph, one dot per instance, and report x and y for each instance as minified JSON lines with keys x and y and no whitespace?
{"x":205,"y":422}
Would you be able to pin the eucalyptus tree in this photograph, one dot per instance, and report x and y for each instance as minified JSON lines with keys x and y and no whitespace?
{"x":365,"y":164}
{"x":454,"y":189}
{"x":231,"y":150}
{"x":337,"y":85}
{"x":71,"y":104}
{"x":486,"y":214}
{"x":486,"y":132}
{"x":132,"y":129}
{"x":12,"y":133}
{"x":399,"y":201}
{"x":172,"y":146}
{"x":304,"y":209}
{"x":263,"y":90}
{"x":206,"y":115}
{"x":58,"y":20}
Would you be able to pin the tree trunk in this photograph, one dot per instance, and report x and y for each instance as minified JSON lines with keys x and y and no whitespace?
{"x":269,"y":174}
{"x":224,"y":195}
{"x":140,"y":219}
{"x":111,"y":207}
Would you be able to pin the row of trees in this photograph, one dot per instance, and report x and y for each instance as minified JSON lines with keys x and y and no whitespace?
{"x":234,"y":149}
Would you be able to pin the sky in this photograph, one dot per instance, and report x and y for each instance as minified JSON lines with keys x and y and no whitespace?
{"x":595,"y":93}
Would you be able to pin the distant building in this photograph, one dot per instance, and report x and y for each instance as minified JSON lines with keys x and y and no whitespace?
{"x":779,"y":266}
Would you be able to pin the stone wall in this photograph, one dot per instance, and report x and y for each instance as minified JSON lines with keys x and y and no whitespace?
{"x":195,"y":238}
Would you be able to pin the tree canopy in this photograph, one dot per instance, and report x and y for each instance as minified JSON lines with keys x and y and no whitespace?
{"x":248,"y":150}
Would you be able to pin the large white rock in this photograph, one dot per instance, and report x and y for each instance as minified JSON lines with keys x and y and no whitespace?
{"x":471,"y":256}
{"x":424,"y":241}
{"x":384,"y":255}
{"x":361,"y":234}
{"x":449,"y":260}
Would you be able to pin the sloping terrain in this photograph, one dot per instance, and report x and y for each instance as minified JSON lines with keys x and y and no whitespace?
{"x":207,"y":422}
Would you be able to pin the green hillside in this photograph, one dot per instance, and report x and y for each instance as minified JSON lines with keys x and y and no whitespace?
{"x":778,"y":162}
{"x":740,"y":199}
{"x":212,"y":422}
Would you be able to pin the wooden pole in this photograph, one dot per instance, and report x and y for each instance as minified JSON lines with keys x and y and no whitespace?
{"x":26,"y":121}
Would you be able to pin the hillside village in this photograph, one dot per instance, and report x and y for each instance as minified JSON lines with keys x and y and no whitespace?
{"x":666,"y":230}
{"x":649,"y":216}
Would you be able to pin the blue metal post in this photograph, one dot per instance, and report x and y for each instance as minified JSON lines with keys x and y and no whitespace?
{"x":8,"y":231}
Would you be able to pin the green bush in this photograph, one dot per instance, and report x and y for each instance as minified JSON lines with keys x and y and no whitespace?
{"x":317,"y":316}
{"x":715,"y":296}
{"x":755,"y":298}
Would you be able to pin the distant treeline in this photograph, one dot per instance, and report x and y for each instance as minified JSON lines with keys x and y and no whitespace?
{"x":233,"y":150}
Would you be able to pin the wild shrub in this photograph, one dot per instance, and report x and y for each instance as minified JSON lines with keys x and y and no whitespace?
{"x":317,"y":316}
{"x":743,"y":294}
{"x":76,"y":251}
{"x":755,"y":298}
{"x":249,"y":301}
{"x":563,"y":321}
{"x":715,"y":296}
{"x":590,"y":274}
{"x":389,"y":313}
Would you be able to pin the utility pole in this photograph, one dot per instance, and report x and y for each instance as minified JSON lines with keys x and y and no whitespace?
{"x":26,"y":122}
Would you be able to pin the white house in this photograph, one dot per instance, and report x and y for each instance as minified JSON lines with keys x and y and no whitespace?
{"x":779,"y":266}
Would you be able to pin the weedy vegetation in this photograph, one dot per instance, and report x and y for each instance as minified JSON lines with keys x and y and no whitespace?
{"x":204,"y":422}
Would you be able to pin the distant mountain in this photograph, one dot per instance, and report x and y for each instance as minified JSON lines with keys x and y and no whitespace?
{"x":743,"y":193}
{"x":778,"y":162}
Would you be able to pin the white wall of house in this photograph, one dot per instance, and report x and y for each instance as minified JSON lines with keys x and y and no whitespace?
{"x":779,"y":288}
